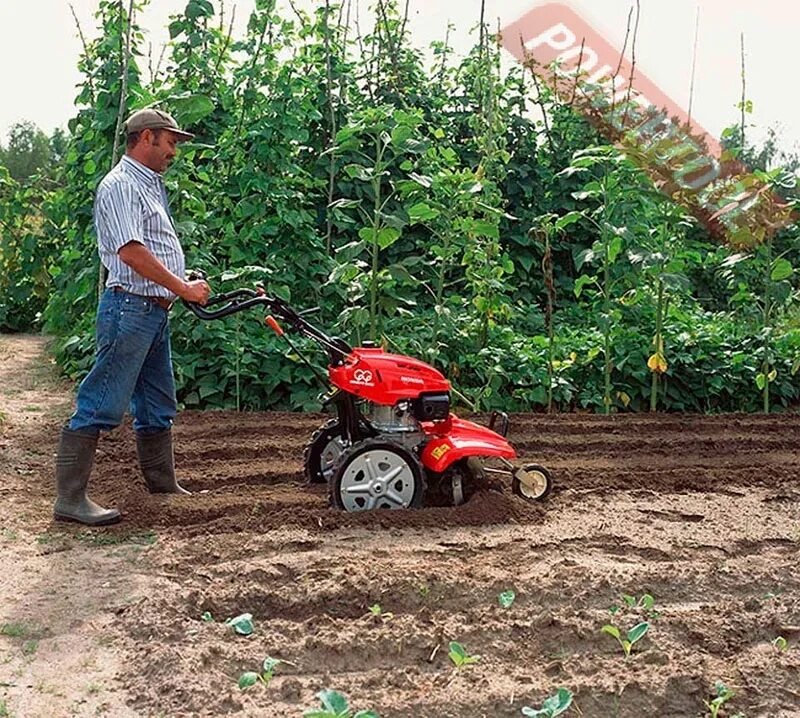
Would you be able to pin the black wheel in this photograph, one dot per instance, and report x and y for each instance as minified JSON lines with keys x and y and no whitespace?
{"x":377,"y":474}
{"x":323,"y":449}
{"x":532,"y":482}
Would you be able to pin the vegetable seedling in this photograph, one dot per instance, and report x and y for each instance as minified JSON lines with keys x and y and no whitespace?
{"x":553,"y":706}
{"x":780,"y":643}
{"x":334,"y":705}
{"x":459,"y":656}
{"x":724,"y":694}
{"x":506,"y":598}
{"x":250,"y":678}
{"x":375,"y":611}
{"x":207,"y":617}
{"x":635,"y":634}
{"x":242,"y":624}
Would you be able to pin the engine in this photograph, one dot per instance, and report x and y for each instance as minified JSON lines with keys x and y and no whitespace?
{"x":401,"y":422}
{"x":397,"y":422}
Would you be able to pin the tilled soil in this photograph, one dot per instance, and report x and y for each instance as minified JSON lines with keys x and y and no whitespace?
{"x":701,"y":512}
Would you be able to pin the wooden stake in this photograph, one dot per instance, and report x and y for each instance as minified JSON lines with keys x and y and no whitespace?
{"x":694,"y":62}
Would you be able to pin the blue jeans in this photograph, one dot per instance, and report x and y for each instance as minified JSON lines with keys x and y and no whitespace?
{"x":132,"y":368}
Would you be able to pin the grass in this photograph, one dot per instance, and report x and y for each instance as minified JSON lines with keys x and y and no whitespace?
{"x":5,"y":711}
{"x":17,"y":630}
{"x":30,"y":646}
{"x":100,"y":538}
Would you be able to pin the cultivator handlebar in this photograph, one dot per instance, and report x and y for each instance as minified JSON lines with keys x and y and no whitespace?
{"x":239,"y":300}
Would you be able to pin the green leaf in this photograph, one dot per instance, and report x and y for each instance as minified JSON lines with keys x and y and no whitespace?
{"x":422,"y":212}
{"x":638,"y":631}
{"x":242,"y":624}
{"x":387,"y":236}
{"x":207,"y":617}
{"x":89,"y":167}
{"x":761,"y":380}
{"x":781,"y":269}
{"x":581,"y":282}
{"x":557,"y":704}
{"x":568,"y":219}
{"x":401,"y":134}
{"x":270,"y":664}
{"x":247,"y":679}
{"x":333,"y":701}
{"x":611,"y":631}
{"x":191,"y":109}
{"x":344,"y":203}
{"x":506,"y":598}
{"x":614,"y":248}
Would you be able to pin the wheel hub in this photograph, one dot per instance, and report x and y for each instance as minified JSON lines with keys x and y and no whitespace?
{"x":532,"y":483}
{"x":377,"y":479}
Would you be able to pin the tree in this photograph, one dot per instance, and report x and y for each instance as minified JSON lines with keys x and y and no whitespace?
{"x":28,"y":151}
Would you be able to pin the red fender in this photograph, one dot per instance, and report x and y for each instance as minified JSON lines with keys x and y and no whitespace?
{"x":455,"y":439}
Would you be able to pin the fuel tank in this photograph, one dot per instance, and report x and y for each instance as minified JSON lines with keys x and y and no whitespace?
{"x":372,"y":374}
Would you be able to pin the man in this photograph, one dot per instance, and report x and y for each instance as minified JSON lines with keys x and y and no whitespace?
{"x":133,"y":366}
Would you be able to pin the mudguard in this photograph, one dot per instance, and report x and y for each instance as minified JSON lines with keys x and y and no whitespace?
{"x":455,"y":439}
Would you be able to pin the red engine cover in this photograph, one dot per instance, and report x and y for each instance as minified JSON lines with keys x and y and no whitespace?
{"x":384,"y":378}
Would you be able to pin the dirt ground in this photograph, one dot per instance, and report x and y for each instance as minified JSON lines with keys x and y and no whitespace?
{"x":703,"y":513}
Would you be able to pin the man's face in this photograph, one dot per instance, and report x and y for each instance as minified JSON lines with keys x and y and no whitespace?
{"x":160,"y":149}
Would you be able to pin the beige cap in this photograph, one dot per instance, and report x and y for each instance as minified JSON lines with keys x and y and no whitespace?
{"x":152,"y":119}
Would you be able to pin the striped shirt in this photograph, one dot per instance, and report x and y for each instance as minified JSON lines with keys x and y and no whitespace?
{"x":131,"y":206}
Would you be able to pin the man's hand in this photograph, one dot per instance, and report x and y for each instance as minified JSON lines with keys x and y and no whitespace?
{"x":196,"y":291}
{"x":142,"y":261}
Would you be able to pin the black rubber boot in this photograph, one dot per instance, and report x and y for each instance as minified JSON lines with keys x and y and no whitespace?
{"x":157,"y":462}
{"x":73,"y":466}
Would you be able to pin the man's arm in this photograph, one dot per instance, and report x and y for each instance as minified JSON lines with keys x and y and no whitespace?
{"x":142,"y":261}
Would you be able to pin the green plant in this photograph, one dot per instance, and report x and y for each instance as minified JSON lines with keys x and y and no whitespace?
{"x":242,"y":624}
{"x":506,"y":598}
{"x":631,"y":637}
{"x":780,"y":643}
{"x":335,"y":705}
{"x":29,"y":647}
{"x":645,"y":604}
{"x":250,"y":678}
{"x":722,"y":695}
{"x":459,"y":656}
{"x":206,"y":617}
{"x":376,"y":611}
{"x":553,"y":706}
{"x":17,"y":629}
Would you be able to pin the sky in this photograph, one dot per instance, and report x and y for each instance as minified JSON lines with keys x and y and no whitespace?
{"x":39,"y":49}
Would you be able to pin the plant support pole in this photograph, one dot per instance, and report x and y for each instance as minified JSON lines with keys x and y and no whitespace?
{"x":123,"y":98}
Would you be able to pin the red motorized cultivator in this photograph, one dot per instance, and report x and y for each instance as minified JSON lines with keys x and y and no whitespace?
{"x":393,"y":436}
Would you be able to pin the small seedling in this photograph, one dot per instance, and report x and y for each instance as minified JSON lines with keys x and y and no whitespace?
{"x":646,"y":604}
{"x":723,"y":695}
{"x":250,"y":678}
{"x":242,"y":624}
{"x":552,"y":706}
{"x":635,"y":634}
{"x":506,"y":598}
{"x":207,"y":617}
{"x":459,"y":656}
{"x":375,"y":611}
{"x":334,"y":705}
{"x":780,"y":643}
{"x":29,"y":647}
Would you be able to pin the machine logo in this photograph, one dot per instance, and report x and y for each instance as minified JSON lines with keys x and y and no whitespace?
{"x":440,"y":451}
{"x":362,"y":377}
